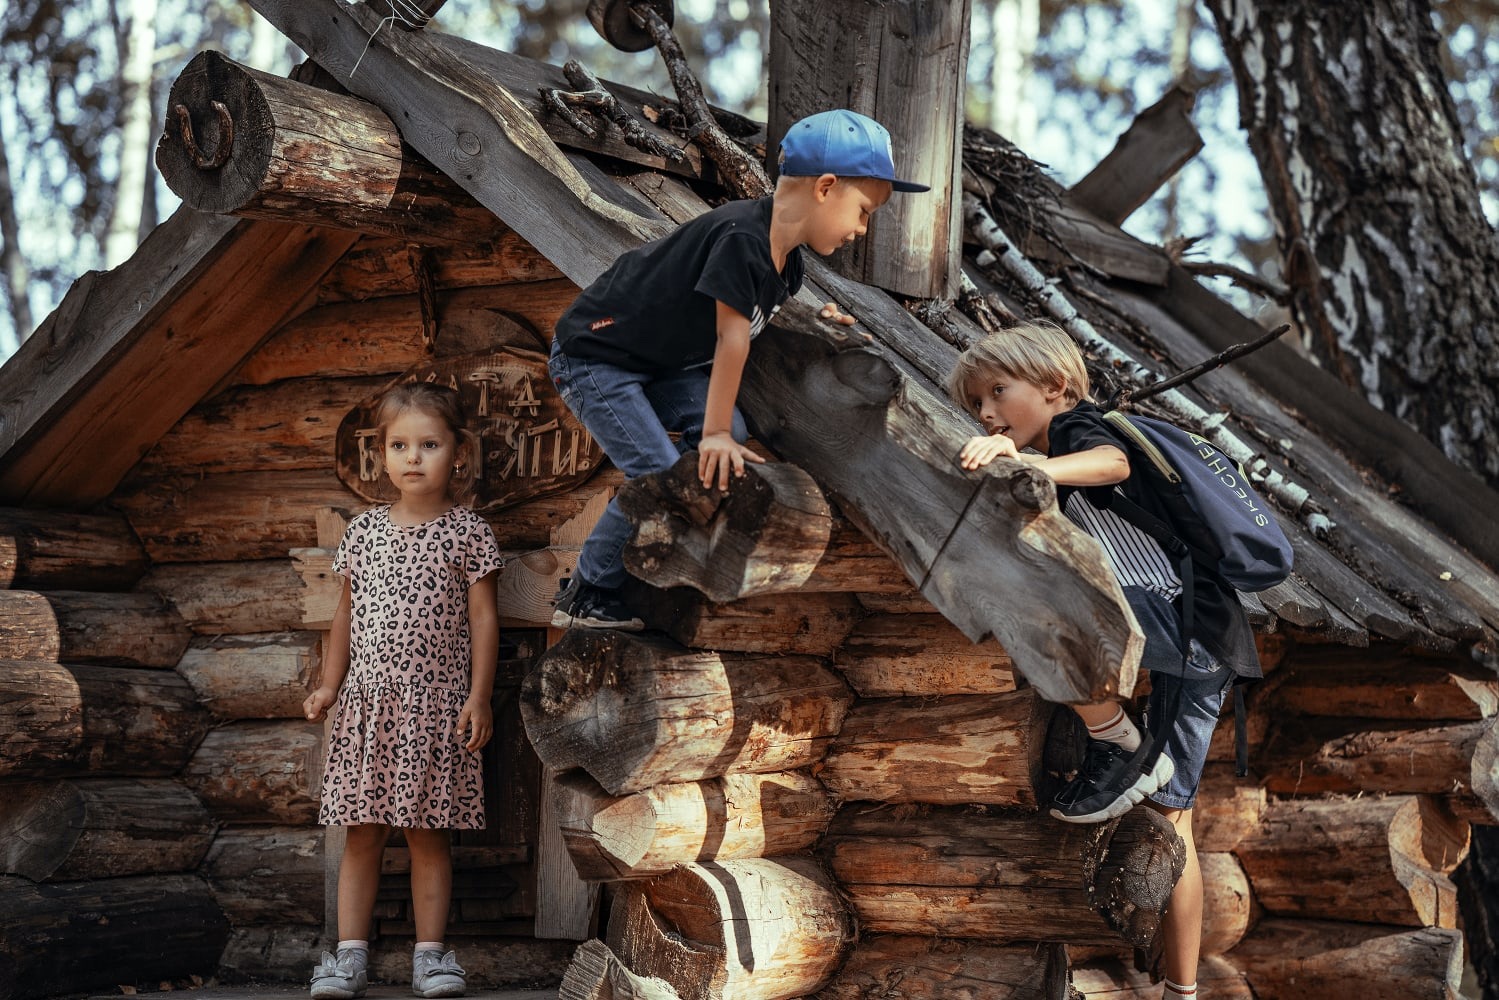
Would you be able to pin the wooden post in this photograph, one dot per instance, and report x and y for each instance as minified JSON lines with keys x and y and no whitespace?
{"x":903,"y":64}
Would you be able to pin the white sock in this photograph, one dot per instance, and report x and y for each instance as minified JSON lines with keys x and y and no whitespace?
{"x":352,"y":945}
{"x":1118,"y":730}
{"x":1176,"y":992}
{"x":427,"y":946}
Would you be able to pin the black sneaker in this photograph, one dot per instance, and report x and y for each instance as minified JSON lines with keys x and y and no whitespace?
{"x":1112,"y":781}
{"x":583,"y":605}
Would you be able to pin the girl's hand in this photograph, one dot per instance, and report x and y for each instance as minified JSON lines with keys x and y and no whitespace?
{"x":317,"y":704}
{"x":980,"y":451}
{"x":476,"y":719}
{"x":718,"y":455}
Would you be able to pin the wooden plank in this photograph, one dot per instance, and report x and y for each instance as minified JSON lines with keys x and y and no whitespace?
{"x":1157,"y":144}
{"x":1099,"y":245}
{"x":903,"y":64}
{"x":451,"y":109}
{"x":565,"y":904}
{"x":127,"y":353}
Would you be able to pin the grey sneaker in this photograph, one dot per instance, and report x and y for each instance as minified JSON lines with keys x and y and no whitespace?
{"x":341,"y":977}
{"x":434,"y":974}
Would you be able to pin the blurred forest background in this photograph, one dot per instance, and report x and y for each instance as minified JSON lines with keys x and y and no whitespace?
{"x":86,"y":84}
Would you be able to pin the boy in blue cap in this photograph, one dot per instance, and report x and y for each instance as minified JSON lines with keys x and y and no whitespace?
{"x":658,"y":342}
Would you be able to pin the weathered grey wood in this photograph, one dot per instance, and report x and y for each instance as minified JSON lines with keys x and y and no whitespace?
{"x":1004,"y":877}
{"x":646,"y":833}
{"x":763,"y":536}
{"x":260,"y":676}
{"x":949,"y":751}
{"x":63,"y":721}
{"x":47,"y":550}
{"x":635,"y":712}
{"x":111,"y":932}
{"x":84,"y":627}
{"x":891,"y":463}
{"x":902,"y":64}
{"x":474,"y":128}
{"x":923,"y":968}
{"x":565,"y":904}
{"x":127,"y":353}
{"x":100,"y":828}
{"x":296,"y":153}
{"x":1157,"y":144}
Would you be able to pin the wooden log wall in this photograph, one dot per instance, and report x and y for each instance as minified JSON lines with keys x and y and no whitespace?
{"x":922,"y":808}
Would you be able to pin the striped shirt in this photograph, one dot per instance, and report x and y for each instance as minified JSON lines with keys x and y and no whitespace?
{"x":1137,"y":559}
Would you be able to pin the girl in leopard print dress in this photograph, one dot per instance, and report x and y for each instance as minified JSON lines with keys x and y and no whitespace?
{"x":407,"y":677}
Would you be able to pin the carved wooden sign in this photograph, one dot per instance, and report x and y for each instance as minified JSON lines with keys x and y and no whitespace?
{"x":532,"y":445}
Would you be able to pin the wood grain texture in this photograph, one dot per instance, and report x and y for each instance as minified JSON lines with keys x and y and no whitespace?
{"x":48,"y":550}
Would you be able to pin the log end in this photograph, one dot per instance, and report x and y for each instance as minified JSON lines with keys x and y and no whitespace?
{"x":1132,"y":878}
{"x":215,"y":147}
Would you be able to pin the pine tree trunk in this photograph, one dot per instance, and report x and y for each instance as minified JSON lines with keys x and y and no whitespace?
{"x":1384,"y":242}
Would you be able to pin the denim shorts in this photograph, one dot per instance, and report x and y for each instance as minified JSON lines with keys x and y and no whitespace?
{"x":1198,"y":694}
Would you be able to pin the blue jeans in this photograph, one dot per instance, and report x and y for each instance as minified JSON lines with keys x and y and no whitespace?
{"x":630,"y":414}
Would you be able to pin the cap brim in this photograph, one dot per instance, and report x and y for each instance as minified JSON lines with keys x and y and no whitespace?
{"x":910,"y":187}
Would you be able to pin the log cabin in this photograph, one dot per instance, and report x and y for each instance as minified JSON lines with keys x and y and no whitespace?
{"x":822,"y":771}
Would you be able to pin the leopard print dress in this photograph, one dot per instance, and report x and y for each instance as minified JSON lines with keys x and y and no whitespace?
{"x":393,"y":756}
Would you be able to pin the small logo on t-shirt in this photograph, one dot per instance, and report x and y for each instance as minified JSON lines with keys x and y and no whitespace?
{"x":599,"y":324}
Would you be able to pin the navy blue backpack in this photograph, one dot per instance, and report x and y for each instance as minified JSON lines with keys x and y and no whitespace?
{"x":1217,"y":522}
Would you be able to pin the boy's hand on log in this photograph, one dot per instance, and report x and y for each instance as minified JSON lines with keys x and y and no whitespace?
{"x":980,"y":451}
{"x":477,"y":720}
{"x":317,"y":704}
{"x":718,"y":455}
{"x":833,"y":314}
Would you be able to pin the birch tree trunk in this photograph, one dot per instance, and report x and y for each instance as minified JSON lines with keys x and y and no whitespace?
{"x":1384,"y":243}
{"x":12,"y":261}
{"x":136,"y":135}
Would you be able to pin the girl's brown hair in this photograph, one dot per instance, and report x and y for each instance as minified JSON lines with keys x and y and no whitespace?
{"x":1037,"y":352}
{"x":442,"y":402}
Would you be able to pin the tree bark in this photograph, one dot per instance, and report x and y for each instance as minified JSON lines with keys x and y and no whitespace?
{"x":62,"y":721}
{"x":44,"y":550}
{"x":763,"y":536}
{"x":952,"y":872}
{"x":104,"y":828}
{"x":293,"y":152}
{"x":1388,"y":860}
{"x":126,"y":930}
{"x":758,"y":929}
{"x":261,"y":676}
{"x":721,"y":819}
{"x":218,"y":598}
{"x":1286,"y":958}
{"x":1386,"y":248}
{"x":947,"y":751}
{"x":636,"y":712}
{"x":82,"y":627}
{"x":921,"y":968}
{"x":267,"y":874}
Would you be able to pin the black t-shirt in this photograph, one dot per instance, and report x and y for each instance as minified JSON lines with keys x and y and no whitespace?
{"x":654,"y":309}
{"x":1221,"y":624}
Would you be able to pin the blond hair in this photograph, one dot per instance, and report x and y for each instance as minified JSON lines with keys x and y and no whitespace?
{"x":1037,"y":352}
{"x":435,"y":400}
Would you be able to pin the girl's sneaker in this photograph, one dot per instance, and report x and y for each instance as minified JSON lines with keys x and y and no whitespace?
{"x":341,"y":977}
{"x":434,"y":974}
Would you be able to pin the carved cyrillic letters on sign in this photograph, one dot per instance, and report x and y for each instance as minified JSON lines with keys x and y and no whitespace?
{"x":531,"y":443}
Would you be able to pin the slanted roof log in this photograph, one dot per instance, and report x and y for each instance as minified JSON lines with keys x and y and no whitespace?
{"x":128,"y":352}
{"x":241,"y":142}
{"x":1157,"y":144}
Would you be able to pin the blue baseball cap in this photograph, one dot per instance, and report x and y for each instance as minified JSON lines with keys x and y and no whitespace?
{"x":843,"y":143}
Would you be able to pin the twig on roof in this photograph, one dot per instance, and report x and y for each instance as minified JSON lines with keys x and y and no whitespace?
{"x":593,"y":97}
{"x":1130,"y":394}
{"x":1002,"y":250}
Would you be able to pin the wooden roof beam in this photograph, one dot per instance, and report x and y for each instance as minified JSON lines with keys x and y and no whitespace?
{"x":1156,"y":145}
{"x":241,"y":142}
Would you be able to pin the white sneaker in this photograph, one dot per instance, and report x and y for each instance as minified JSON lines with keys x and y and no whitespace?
{"x":341,"y":977}
{"x":434,"y":974}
